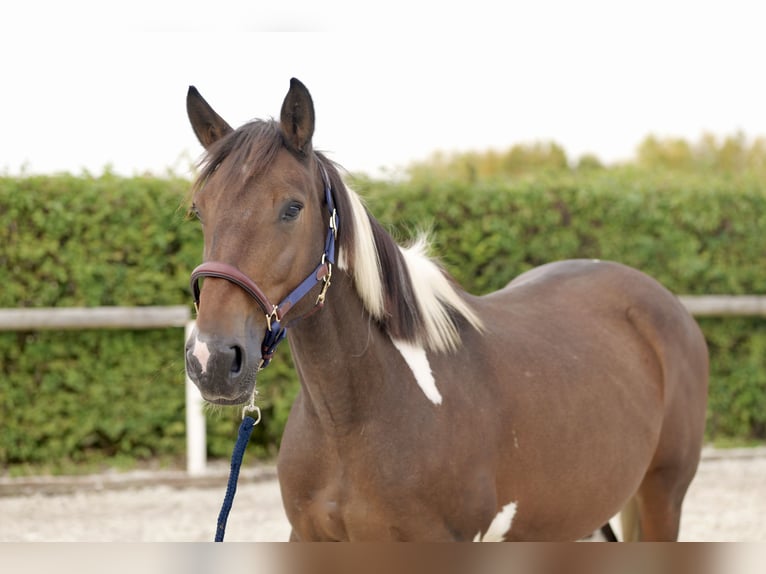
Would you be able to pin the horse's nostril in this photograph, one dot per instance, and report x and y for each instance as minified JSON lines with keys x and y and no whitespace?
{"x":236,"y":363}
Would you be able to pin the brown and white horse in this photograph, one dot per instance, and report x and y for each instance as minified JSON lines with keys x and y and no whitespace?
{"x":425,"y":413}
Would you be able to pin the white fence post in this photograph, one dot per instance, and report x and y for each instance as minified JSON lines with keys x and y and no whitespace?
{"x":196,"y":432}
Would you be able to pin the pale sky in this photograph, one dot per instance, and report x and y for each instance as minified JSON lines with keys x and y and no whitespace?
{"x":91,"y":83}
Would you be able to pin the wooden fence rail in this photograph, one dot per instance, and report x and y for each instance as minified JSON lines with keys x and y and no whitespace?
{"x":725,"y":305}
{"x":53,"y":318}
{"x":179,"y":316}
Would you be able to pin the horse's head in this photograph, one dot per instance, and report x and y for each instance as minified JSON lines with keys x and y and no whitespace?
{"x":262,"y":199}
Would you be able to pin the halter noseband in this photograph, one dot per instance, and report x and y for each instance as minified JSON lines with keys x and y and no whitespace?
{"x":275,"y":331}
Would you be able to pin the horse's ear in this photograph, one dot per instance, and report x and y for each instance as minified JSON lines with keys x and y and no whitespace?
{"x":208,"y":125}
{"x":297,"y":118}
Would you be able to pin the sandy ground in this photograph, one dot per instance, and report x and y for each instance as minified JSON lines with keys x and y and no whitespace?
{"x":726,"y":502}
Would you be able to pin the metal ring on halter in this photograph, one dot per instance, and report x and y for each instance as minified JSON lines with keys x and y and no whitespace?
{"x":325,"y":285}
{"x":273,"y":315}
{"x":252,"y":408}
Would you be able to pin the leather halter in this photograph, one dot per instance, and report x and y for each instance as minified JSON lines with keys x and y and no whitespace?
{"x":275,"y":330}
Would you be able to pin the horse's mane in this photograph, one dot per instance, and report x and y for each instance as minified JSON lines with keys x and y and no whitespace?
{"x":404,"y":290}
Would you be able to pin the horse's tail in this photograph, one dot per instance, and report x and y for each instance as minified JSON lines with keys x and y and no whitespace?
{"x":608,"y":533}
{"x":630,"y":521}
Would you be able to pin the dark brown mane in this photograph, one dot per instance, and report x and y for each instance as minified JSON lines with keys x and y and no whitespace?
{"x":402,"y":317}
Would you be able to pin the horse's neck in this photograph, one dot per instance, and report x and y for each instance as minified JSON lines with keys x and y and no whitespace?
{"x":335,"y":355}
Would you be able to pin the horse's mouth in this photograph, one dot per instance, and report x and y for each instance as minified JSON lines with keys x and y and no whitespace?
{"x":228,"y":397}
{"x":222,"y":401}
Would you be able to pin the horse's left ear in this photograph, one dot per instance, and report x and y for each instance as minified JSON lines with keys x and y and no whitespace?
{"x":297,"y":118}
{"x":208,"y":126}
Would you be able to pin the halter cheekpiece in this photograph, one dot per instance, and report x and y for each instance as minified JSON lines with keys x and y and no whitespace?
{"x":275,"y":330}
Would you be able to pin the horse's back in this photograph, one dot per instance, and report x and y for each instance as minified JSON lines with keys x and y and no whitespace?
{"x":591,"y":290}
{"x":615,"y":301}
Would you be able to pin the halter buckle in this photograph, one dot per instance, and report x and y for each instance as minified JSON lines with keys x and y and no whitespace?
{"x":274,"y":315}
{"x":334,"y":223}
{"x":325,"y":283}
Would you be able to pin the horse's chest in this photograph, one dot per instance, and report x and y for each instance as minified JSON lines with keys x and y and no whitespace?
{"x":364,"y":504}
{"x":336,"y":510}
{"x":338,"y":500}
{"x":379,"y":489}
{"x":321,"y":516}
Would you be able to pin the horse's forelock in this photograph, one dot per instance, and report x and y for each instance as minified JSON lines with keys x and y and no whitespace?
{"x":242,"y":155}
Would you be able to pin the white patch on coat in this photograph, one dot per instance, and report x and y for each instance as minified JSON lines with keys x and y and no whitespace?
{"x":417,"y":361}
{"x":201,"y":352}
{"x":500,"y":525}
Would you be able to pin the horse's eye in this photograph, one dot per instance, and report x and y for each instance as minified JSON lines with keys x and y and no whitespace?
{"x":194,"y":210}
{"x":292,"y":211}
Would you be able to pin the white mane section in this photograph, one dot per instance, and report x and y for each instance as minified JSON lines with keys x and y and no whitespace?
{"x":435,"y":295}
{"x":366,"y":270}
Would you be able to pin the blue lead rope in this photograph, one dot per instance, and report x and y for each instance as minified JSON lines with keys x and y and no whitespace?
{"x":245,"y":430}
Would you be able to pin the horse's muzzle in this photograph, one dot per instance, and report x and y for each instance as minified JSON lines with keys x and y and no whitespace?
{"x":224,"y":369}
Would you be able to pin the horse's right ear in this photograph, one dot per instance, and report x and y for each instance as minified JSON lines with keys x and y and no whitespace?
{"x":207,"y":125}
{"x":297,"y":118}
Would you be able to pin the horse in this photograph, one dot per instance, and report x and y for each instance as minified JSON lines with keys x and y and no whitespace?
{"x":425,"y":413}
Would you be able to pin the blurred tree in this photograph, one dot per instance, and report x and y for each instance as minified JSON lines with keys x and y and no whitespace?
{"x":589,"y":161}
{"x":669,"y":153}
{"x":734,"y":154}
{"x":475,"y":166}
{"x":731,"y":154}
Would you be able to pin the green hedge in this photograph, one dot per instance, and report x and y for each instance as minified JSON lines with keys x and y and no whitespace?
{"x":695,"y":235}
{"x":87,"y":396}
{"x":81,"y":397}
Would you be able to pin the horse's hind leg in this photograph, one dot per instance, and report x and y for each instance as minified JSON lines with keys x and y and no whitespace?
{"x":658,"y":506}
{"x":608,"y":533}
